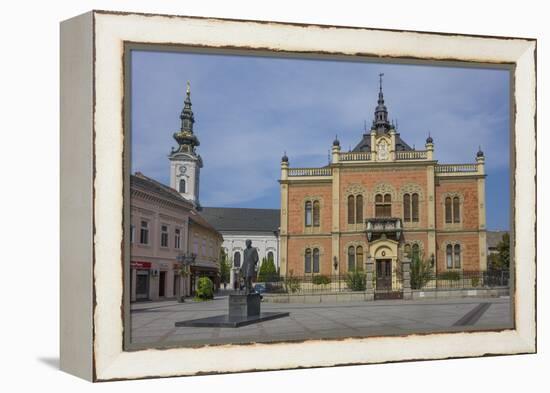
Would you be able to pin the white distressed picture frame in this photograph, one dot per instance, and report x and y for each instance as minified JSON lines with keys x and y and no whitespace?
{"x":92,"y":172}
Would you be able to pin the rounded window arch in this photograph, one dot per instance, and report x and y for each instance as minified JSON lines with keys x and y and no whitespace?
{"x":182,"y":186}
{"x":237,"y":259}
{"x":316,"y":213}
{"x":307,"y":261}
{"x":351,"y":209}
{"x":359,"y":209}
{"x":315,"y":260}
{"x":351,"y":258}
{"x":359,"y":258}
{"x":309,"y":214}
{"x":270,"y":256}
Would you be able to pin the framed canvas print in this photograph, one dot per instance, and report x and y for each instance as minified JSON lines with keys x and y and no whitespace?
{"x":248,"y":195}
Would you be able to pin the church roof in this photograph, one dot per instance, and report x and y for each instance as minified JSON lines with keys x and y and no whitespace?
{"x":364,"y":144}
{"x":381,"y":125}
{"x":231,"y":219}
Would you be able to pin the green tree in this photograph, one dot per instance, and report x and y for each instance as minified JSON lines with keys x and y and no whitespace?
{"x":225,"y":267}
{"x":268,"y":271}
{"x":421,"y":272}
{"x":501,"y":259}
{"x":503,"y":248}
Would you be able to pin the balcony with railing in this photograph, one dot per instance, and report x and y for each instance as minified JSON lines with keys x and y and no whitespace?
{"x":391,"y":227}
{"x":309,"y":172}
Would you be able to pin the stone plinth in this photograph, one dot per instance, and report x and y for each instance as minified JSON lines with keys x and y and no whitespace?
{"x":244,"y":305}
{"x":243,"y":310}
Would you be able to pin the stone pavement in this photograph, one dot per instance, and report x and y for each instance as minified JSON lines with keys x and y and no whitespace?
{"x":153,"y":323}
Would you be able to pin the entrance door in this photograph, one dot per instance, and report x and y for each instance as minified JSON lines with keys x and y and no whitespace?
{"x":142,"y":285}
{"x":162,"y":284}
{"x":383,"y":274}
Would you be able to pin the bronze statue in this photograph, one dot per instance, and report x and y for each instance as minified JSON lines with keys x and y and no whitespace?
{"x":248,"y":269}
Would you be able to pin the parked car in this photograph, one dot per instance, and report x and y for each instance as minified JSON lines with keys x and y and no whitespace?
{"x":259,"y":288}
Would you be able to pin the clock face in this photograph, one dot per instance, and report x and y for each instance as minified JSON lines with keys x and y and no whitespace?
{"x":182,"y":169}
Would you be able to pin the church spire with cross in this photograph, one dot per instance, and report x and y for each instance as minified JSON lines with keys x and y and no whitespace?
{"x":380,"y":122}
{"x":185,"y":162}
{"x":186,"y":139}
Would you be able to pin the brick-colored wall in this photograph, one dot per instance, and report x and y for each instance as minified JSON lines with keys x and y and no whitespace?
{"x":297,"y":194}
{"x":345,"y":242}
{"x":395,"y":178}
{"x":296,"y":250}
{"x":468,"y":189}
{"x":469,"y":248}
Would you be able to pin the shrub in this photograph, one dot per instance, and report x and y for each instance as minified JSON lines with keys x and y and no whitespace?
{"x":356,"y":281}
{"x":420,"y":272}
{"x":475,"y":282}
{"x":320,"y":280}
{"x":205,"y":289}
{"x":292,"y":284}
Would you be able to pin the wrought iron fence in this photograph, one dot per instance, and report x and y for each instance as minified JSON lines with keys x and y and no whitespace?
{"x":391,"y":285}
{"x":463,"y":280}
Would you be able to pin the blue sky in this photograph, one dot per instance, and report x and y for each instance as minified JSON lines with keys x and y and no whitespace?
{"x":249,"y":110}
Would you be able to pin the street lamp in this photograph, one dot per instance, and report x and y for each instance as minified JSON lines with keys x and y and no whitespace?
{"x":184,"y":261}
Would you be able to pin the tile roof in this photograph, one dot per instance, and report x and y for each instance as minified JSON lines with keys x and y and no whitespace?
{"x":242,"y":219}
{"x":139,"y":180}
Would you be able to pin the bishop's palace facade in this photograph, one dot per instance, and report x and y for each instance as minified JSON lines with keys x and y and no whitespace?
{"x":380,"y":202}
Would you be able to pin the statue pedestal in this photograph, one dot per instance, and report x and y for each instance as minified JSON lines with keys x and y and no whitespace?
{"x":243,"y":310}
{"x":244,"y":305}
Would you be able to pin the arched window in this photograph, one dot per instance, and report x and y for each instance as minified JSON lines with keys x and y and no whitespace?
{"x":415,"y":207}
{"x":351,"y":259}
{"x":407,"y":207}
{"x":408,"y":251}
{"x":182,"y":185}
{"x":351,"y":209}
{"x":448,"y":210}
{"x":359,"y":209}
{"x":449,"y":256}
{"x":415,"y":251}
{"x":316,"y":214}
{"x":456,"y":209}
{"x":457,"y":256}
{"x":308,"y":217}
{"x":382,"y":205}
{"x":359,"y":257}
{"x":307,"y":261}
{"x":315,"y":260}
{"x":270,"y":256}
{"x":237,"y":259}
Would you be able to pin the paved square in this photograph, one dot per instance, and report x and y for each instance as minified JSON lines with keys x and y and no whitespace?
{"x":153,"y":323}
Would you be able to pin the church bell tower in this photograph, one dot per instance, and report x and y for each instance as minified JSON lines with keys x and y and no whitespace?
{"x":185,"y":163}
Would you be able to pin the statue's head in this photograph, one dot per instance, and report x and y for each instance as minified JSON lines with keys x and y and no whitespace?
{"x":248,"y":242}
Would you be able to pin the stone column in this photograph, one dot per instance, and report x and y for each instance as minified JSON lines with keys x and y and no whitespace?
{"x":406,"y":270}
{"x":369,"y":294}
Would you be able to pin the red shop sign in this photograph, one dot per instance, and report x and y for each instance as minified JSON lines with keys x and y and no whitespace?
{"x":140,"y":265}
